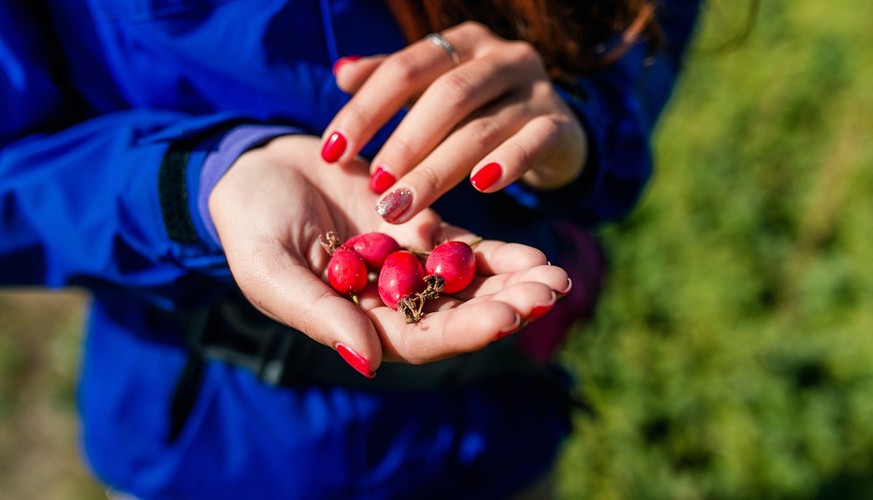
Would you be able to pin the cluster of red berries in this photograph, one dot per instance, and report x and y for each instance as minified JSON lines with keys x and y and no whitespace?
{"x":403,"y":282}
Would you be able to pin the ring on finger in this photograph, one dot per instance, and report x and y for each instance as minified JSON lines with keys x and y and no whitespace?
{"x":441,"y":42}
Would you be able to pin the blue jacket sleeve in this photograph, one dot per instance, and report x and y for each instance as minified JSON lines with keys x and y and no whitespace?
{"x":619,"y":107}
{"x":84,"y":206}
{"x":86,"y":203}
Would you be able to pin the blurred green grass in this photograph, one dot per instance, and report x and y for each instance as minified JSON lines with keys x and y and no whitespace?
{"x":730,"y":355}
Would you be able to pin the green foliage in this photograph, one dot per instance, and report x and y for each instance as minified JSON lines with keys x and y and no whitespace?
{"x":731,"y":355}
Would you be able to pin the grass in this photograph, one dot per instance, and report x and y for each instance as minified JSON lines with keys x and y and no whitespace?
{"x":39,"y":352}
{"x":730,"y":356}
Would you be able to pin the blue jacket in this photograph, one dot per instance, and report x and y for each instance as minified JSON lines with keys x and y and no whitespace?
{"x":92,"y":96}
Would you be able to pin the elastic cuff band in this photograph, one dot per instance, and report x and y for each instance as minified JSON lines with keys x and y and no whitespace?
{"x":173,"y":192}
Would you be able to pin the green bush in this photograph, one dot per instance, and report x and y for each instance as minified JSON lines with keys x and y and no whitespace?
{"x":731,"y":355}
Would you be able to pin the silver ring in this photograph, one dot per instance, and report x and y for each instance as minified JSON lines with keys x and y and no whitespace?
{"x":441,"y":42}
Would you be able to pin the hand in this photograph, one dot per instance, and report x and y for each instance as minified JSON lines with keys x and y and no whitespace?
{"x":496,"y":116}
{"x":273,"y":204}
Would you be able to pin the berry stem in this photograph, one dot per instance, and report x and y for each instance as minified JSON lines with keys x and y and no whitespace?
{"x":333,"y":242}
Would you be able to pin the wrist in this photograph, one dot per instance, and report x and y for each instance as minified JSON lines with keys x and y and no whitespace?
{"x":218,"y":161}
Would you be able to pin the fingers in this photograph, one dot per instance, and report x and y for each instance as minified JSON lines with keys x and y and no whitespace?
{"x":352,"y":71}
{"x":541,"y":143}
{"x":452,"y":327}
{"x":448,"y":102}
{"x":387,"y":90}
{"x":445,"y":333}
{"x":289,"y":292}
{"x":494,"y":119}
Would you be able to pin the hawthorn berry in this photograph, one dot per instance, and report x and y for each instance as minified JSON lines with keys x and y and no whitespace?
{"x":347,"y":271}
{"x":454,"y":263}
{"x":401,"y":281}
{"x":373,"y":248}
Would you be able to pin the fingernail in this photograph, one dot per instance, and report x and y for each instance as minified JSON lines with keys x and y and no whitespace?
{"x":333,"y":148}
{"x":342,"y":60}
{"x":540,"y":310}
{"x":381,"y":180}
{"x":486,"y":176}
{"x":355,"y":360}
{"x":510,"y":329}
{"x":569,"y":287}
{"x":394,"y":204}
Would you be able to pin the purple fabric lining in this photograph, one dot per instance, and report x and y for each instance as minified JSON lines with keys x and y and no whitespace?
{"x":583,"y":258}
{"x":218,"y":161}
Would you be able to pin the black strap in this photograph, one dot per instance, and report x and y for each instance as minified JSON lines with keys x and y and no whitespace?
{"x":235,"y":332}
{"x":173,"y":191}
{"x":184,"y":395}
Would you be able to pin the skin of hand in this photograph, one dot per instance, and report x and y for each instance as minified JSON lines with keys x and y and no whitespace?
{"x":495,"y":117}
{"x":269,"y":210}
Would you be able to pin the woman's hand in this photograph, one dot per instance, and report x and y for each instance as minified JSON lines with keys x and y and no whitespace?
{"x":494,"y":117}
{"x":271,"y":207}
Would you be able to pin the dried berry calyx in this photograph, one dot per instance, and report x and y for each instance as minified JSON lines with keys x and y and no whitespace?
{"x":330,"y":242}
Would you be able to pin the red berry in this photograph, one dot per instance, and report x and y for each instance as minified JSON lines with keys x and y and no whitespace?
{"x":373,"y":248}
{"x":402,"y":275}
{"x":347,"y":271}
{"x":454,"y":262}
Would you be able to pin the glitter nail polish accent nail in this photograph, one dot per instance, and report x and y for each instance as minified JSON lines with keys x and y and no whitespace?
{"x":354,"y":360}
{"x":486,"y":176}
{"x":333,"y":148}
{"x":394,"y":204}
{"x":381,"y":180}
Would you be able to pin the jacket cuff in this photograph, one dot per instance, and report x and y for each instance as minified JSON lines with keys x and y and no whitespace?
{"x":217,"y":161}
{"x":191,"y":168}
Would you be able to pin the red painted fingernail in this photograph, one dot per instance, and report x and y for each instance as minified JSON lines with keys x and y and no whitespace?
{"x":381,"y":180}
{"x":342,"y":60}
{"x":486,"y":176}
{"x":394,"y":204}
{"x":510,"y":329}
{"x":333,"y":148}
{"x":540,"y":311}
{"x":355,"y":360}
{"x":569,"y":287}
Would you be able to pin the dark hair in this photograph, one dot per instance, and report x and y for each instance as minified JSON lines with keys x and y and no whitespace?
{"x":571,"y":36}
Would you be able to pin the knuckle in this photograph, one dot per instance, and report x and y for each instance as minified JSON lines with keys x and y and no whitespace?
{"x":453,"y":89}
{"x":523,"y":155}
{"x":356,"y":112}
{"x":401,"y":67}
{"x":552,"y":126}
{"x":527,"y":53}
{"x":483,"y":131}
{"x":428,"y":179}
{"x":473,"y":28}
{"x":401,"y":147}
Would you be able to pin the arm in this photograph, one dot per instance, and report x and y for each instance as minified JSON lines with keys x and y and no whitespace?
{"x":115,"y":202}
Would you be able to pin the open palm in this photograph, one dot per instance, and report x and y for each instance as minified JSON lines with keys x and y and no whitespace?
{"x":271,"y":208}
